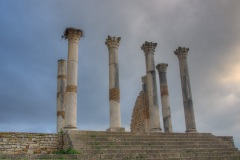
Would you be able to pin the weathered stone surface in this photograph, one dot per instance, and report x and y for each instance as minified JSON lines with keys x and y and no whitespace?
{"x":29,"y":143}
{"x":73,"y":35}
{"x":114,"y":94}
{"x":182,"y":53}
{"x":61,"y":89}
{"x":71,"y":88}
{"x":167,"y":122}
{"x":149,"y":49}
{"x":114,"y":91}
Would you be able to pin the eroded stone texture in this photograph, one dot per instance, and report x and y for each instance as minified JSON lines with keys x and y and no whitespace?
{"x":149,"y":49}
{"x":73,"y":35}
{"x":61,"y":89}
{"x":29,"y":143}
{"x":140,"y":116}
{"x":167,"y":122}
{"x":114,"y":94}
{"x":114,"y":91}
{"x":181,"y":53}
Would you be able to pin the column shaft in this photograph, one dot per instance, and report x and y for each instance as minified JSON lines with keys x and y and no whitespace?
{"x":146,"y":105}
{"x":114,"y":91}
{"x":149,"y":48}
{"x":167,"y":122}
{"x":73,"y":36}
{"x":186,"y":89}
{"x":61,"y":89}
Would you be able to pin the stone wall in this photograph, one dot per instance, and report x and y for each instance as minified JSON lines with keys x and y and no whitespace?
{"x":29,"y":143}
{"x":138,"y":115}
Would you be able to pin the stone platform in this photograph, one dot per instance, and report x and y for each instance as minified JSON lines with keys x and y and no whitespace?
{"x":94,"y":145}
{"x":154,"y":146}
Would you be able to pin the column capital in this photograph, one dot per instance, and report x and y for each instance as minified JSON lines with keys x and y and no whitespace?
{"x":144,"y":79}
{"x":112,"y":42}
{"x":72,"y":34}
{"x":181,"y":52}
{"x":162,"y":67}
{"x":149,"y":47}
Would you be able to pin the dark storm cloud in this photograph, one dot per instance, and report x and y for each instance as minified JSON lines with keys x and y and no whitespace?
{"x":31,"y":44}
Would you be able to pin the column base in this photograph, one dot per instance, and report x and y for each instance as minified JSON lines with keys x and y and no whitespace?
{"x":156,"y":130}
{"x":191,"y":131}
{"x":116,"y":129}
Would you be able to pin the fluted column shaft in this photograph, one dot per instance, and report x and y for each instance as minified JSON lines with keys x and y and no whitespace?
{"x":61,"y":89}
{"x":145,"y":103}
{"x":114,"y":91}
{"x":167,"y":122}
{"x":149,"y":48}
{"x":181,"y":53}
{"x":73,"y":36}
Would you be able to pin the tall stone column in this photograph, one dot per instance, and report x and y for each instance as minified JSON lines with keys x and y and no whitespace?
{"x":61,"y":89}
{"x":73,"y":35}
{"x":181,"y":53}
{"x":149,"y":49}
{"x":145,"y":103}
{"x":114,"y":91}
{"x":167,"y":122}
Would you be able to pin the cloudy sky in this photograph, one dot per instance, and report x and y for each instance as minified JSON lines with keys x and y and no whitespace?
{"x":31,"y":44}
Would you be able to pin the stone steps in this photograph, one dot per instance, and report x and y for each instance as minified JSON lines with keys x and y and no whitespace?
{"x":216,"y":146}
{"x":148,"y":143}
{"x":153,"y":146}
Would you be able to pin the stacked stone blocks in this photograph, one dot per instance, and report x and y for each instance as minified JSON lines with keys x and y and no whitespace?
{"x":29,"y":143}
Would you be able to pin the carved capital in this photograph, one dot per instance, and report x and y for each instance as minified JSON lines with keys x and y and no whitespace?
{"x":149,"y":47}
{"x":114,"y":94}
{"x":112,"y":42}
{"x":144,"y":79}
{"x":181,"y":52}
{"x":73,"y":35}
{"x":162,"y":67}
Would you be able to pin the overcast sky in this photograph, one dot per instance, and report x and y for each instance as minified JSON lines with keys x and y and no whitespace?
{"x":31,"y":44}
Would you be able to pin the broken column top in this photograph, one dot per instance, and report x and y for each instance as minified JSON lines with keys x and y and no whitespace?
{"x":144,"y":79}
{"x":112,"y":42}
{"x":148,"y":47}
{"x":162,"y":67}
{"x":181,"y":52}
{"x":72,"y":33}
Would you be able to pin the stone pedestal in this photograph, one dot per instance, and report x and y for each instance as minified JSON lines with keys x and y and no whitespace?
{"x":149,"y":49}
{"x":167,"y":122}
{"x":145,"y":104}
{"x":61,"y":89}
{"x":114,"y":91}
{"x":73,"y":35}
{"x":181,"y":53}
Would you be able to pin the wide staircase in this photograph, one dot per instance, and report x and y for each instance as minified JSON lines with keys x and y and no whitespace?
{"x":154,"y":146}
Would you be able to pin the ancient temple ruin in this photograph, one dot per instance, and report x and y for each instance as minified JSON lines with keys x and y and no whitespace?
{"x":146,"y":139}
{"x":145,"y":117}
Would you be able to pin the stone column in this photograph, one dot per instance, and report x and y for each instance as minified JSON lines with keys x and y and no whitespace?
{"x":114,"y":91}
{"x":73,"y":35}
{"x":149,"y":49}
{"x":145,"y":103}
{"x":167,"y":122}
{"x":61,"y":89}
{"x":181,"y":53}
